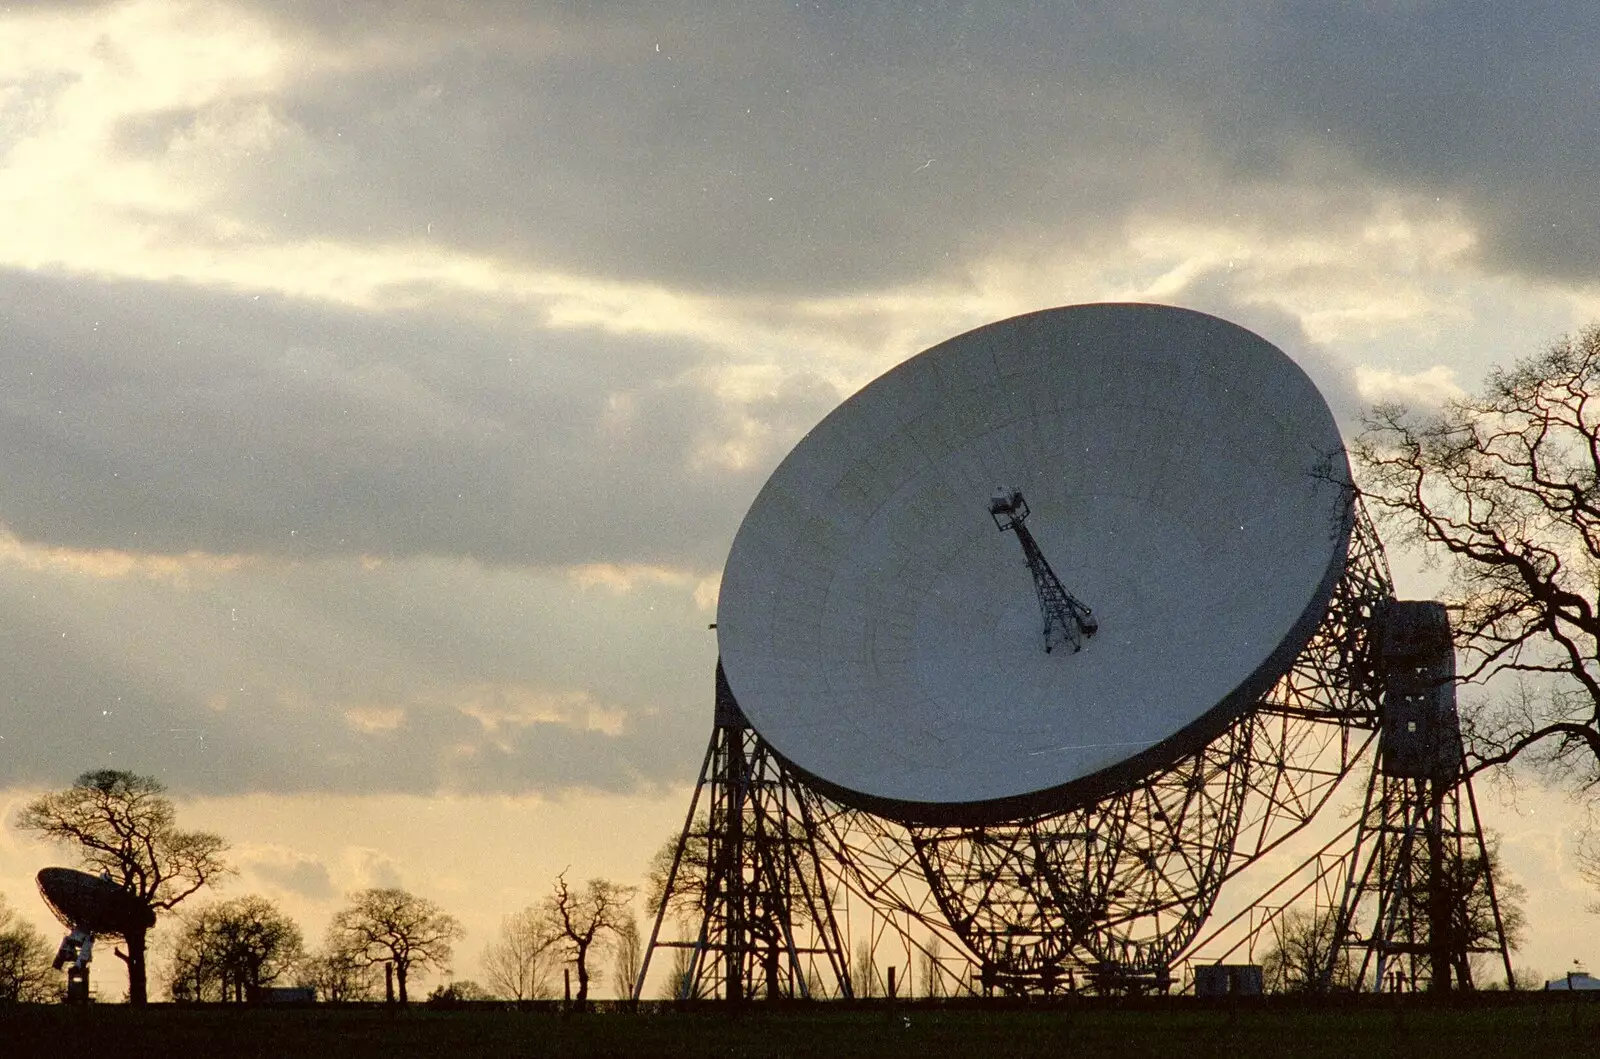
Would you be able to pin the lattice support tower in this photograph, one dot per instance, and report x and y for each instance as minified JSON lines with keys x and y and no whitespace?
{"x":1109,"y":896}
{"x":763,"y":920}
{"x":1419,"y":899}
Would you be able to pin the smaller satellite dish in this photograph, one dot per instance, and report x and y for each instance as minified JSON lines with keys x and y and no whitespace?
{"x":87,"y":902}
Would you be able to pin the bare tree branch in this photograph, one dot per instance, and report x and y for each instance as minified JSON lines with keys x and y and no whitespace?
{"x":1504,"y":487}
{"x":583,"y":919}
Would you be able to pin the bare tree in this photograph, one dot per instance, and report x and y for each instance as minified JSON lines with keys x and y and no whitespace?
{"x":194,"y":973}
{"x":234,"y":949}
{"x":678,"y":978}
{"x":519,"y":963}
{"x":1302,"y":948}
{"x":1303,"y":943}
{"x":805,"y":885}
{"x":688,"y":885}
{"x":389,"y":925}
{"x":1466,"y":885}
{"x":338,"y":977}
{"x":458,"y":991}
{"x":928,"y":961}
{"x":864,"y":971}
{"x":1589,"y":868}
{"x":1530,"y":979}
{"x":25,"y":971}
{"x":628,"y":957}
{"x":1505,"y":486}
{"x":582,"y":920}
{"x":125,"y":825}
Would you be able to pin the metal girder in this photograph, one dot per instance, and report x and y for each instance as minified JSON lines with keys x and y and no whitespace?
{"x":1108,"y":896}
{"x":764,"y":921}
{"x":1419,"y":898}
{"x":1067,"y":620}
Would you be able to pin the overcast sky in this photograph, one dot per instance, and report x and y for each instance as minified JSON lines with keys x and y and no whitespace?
{"x":381,"y":383}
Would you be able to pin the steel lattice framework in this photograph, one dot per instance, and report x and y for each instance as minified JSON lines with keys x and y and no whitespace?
{"x":1111,"y":894}
{"x":1107,"y":895}
{"x":765,"y":908}
{"x":1419,"y":899}
{"x":1066,"y":618}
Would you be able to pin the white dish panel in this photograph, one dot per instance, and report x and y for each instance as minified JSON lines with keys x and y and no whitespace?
{"x":1184,"y":477}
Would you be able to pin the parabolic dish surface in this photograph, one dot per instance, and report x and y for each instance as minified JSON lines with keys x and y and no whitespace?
{"x":81,"y":900}
{"x":1185,"y":481}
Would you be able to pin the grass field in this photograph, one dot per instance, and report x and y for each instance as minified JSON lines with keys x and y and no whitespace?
{"x":1176,"y":1030}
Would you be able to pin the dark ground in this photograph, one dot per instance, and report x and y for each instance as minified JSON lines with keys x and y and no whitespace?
{"x":1534,"y":1027}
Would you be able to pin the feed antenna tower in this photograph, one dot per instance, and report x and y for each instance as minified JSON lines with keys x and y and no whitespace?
{"x":1066,"y":619}
{"x":893,"y":748}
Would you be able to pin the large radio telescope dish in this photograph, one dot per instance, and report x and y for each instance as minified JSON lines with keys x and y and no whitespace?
{"x":1186,"y":482}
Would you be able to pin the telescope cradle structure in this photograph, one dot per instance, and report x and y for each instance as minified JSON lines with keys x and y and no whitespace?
{"x":1010,"y":818}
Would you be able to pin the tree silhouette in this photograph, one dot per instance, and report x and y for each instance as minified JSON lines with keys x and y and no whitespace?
{"x":689,"y":884}
{"x":629,"y":957}
{"x":124,"y":825}
{"x":1589,"y":868}
{"x":518,"y":962}
{"x":687,"y":900}
{"x":25,"y":971}
{"x":864,"y":977}
{"x":928,"y":966}
{"x":678,"y":973}
{"x":234,"y":949}
{"x":1505,"y":485}
{"x":1303,"y":944}
{"x":458,"y":991}
{"x":582,"y":920}
{"x":1472,"y":923}
{"x":1302,"y":947}
{"x":388,"y":925}
{"x":338,"y":977}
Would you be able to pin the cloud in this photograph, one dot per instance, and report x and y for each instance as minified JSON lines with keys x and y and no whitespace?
{"x":116,"y":564}
{"x":145,"y":418}
{"x":372,"y":371}
{"x":502,"y":711}
{"x":777,"y":153}
{"x":367,"y":868}
{"x":1476,"y":100}
{"x":1429,"y":387}
{"x":370,"y":719}
{"x":719,"y":147}
{"x":407,"y":676}
{"x":286,"y":869}
{"x":1216,"y":291}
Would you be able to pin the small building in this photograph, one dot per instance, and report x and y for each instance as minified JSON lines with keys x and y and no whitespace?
{"x":1574,"y":980}
{"x":291,"y":994}
{"x":1228,"y":979}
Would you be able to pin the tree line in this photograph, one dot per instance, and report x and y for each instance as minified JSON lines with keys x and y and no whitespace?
{"x":124,"y":827}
